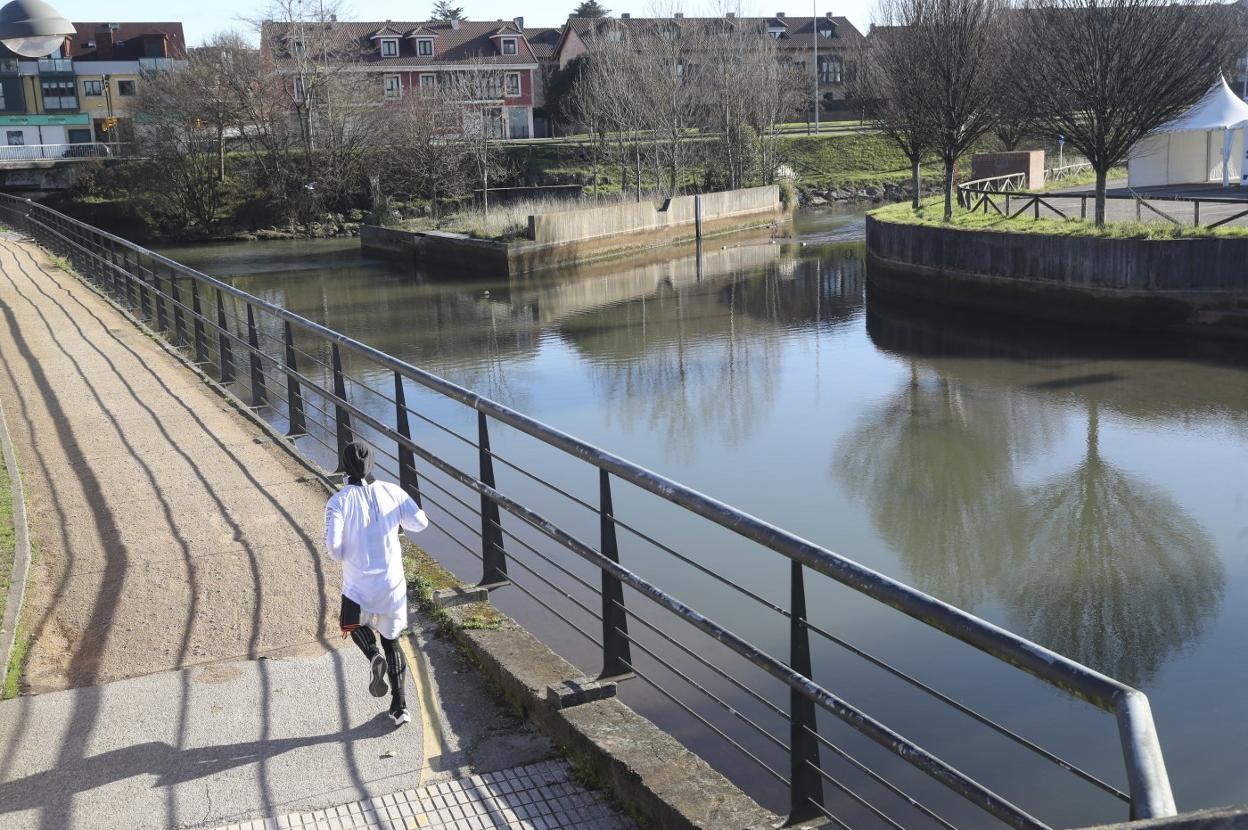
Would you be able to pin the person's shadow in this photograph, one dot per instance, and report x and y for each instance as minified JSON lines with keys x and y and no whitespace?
{"x":53,"y":790}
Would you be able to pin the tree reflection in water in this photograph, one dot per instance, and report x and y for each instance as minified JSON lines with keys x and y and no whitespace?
{"x":934,"y":465}
{"x":1094,"y":563}
{"x":1116,"y":575}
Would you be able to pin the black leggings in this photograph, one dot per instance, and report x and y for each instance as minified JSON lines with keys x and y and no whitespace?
{"x":366,"y":639}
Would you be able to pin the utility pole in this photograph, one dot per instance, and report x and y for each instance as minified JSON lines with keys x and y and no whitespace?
{"x":814,"y":22}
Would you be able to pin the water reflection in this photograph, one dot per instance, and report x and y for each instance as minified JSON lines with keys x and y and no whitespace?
{"x":1116,"y":574}
{"x":1094,"y":563}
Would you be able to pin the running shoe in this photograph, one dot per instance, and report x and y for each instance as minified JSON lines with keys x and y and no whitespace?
{"x":401,"y":717}
{"x":377,"y":687}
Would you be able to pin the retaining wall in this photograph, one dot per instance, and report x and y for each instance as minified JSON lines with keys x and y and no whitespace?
{"x":1132,"y":282}
{"x":569,"y":237}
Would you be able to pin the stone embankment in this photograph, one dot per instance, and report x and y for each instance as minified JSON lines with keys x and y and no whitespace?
{"x":875,"y":194}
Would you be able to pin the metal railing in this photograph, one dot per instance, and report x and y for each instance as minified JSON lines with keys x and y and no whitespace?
{"x":79,"y":150}
{"x":1004,"y":198}
{"x":54,"y":66}
{"x":323,"y":388}
{"x":1053,"y":175}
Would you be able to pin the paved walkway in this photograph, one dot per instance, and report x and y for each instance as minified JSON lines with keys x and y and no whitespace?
{"x":185,"y":668}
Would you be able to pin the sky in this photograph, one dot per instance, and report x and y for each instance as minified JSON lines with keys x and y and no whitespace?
{"x":201,"y":19}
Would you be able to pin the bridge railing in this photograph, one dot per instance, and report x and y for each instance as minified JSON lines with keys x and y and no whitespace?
{"x":576,"y":515}
{"x":53,"y":152}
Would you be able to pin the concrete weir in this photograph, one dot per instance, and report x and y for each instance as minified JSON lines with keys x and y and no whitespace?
{"x":568,"y":237}
{"x":1176,"y":284}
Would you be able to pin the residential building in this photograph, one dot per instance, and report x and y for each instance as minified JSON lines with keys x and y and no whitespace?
{"x":487,"y":65}
{"x":543,"y":43}
{"x":824,"y":47}
{"x":84,"y":91}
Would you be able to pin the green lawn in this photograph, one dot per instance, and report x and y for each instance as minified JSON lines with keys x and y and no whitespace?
{"x":931,"y":215}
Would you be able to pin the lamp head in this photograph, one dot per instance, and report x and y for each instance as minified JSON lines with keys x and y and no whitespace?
{"x":32,"y":28}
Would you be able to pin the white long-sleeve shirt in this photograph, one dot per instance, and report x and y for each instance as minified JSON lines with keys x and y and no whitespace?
{"x":360,"y":531}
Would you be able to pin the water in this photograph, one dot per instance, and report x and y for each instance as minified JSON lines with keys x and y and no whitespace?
{"x":1086,"y":493}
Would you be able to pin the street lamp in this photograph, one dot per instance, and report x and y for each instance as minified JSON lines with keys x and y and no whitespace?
{"x":32,"y":28}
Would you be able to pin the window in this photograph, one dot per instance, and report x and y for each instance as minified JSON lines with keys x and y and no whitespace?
{"x":393,"y":86}
{"x":59,"y":95}
{"x":492,"y":122}
{"x":428,"y":80}
{"x":775,"y":33}
{"x":826,"y":32}
{"x":92,"y":88}
{"x":831,"y":70}
{"x":298,"y":89}
{"x":512,"y":87}
{"x":389,"y":48}
{"x":614,"y":35}
{"x":16,"y":138}
{"x":509,"y":46}
{"x":424,"y":47}
{"x":125,"y":88}
{"x":2,"y":103}
{"x":79,"y":136}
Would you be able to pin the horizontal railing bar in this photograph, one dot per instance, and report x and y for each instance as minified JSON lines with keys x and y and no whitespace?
{"x":859,"y":799}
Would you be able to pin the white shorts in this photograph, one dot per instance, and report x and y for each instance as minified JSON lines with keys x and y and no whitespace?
{"x":387,"y":625}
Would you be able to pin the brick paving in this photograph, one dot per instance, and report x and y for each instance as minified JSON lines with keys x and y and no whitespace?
{"x":538,"y":796}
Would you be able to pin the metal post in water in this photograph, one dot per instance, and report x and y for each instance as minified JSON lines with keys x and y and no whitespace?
{"x":617,"y":658}
{"x":407,"y":459}
{"x":493,"y":558}
{"x":805,"y":783}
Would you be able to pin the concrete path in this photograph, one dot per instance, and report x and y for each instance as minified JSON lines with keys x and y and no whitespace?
{"x":167,"y":532}
{"x":186,"y":668}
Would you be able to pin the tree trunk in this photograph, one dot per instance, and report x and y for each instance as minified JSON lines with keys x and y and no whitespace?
{"x":1100,"y":198}
{"x":915,"y":181}
{"x":948,"y":190}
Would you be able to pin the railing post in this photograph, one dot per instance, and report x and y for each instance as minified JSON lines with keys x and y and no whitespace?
{"x":201,"y":346}
{"x":407,"y":459}
{"x":162,"y":319}
{"x":617,"y":658}
{"x":1035,"y":203}
{"x":1196,"y":212}
{"x":1083,"y":207}
{"x":493,"y":557}
{"x":125,"y":276}
{"x":342,"y":420}
{"x":225,"y":353}
{"x":179,"y":323}
{"x":806,"y":785}
{"x":1007,"y":206}
{"x":294,"y":393}
{"x":145,"y":300}
{"x":259,"y":395}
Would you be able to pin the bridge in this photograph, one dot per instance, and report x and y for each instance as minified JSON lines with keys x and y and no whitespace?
{"x":623,"y":571}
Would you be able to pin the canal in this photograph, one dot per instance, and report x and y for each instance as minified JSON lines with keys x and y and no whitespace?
{"x":1087,"y":493}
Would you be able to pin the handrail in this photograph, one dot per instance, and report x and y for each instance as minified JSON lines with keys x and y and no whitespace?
{"x":1148,"y":783}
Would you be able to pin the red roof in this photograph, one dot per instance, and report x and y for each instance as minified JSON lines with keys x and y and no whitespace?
{"x":130,"y":41}
{"x":472,"y":40}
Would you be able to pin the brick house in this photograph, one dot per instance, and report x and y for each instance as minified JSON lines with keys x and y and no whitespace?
{"x":835,"y":40}
{"x":406,"y":57}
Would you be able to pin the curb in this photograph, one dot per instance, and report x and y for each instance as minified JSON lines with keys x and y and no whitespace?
{"x":21,"y":553}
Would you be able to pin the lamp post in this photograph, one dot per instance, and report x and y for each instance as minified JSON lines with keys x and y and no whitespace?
{"x":32,"y":28}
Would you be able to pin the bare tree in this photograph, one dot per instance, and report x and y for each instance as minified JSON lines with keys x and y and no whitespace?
{"x":1105,"y":73}
{"x":478,"y":89}
{"x":423,"y":152}
{"x":962,"y":63}
{"x":892,"y":87}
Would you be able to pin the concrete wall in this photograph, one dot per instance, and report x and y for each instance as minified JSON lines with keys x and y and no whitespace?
{"x":633,"y":217}
{"x":570,"y":237}
{"x":1031,"y":162}
{"x":1133,"y":282}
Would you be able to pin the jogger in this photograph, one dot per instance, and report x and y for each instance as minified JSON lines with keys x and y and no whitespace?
{"x":361,"y":523}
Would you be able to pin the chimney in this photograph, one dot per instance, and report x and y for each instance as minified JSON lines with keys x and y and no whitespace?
{"x":779,"y":15}
{"x":333,"y":18}
{"x":455,"y":24}
{"x":519,"y":21}
{"x":678,"y":15}
{"x":104,"y":43}
{"x":626,"y":16}
{"x":731,"y":15}
{"x":828,"y":15}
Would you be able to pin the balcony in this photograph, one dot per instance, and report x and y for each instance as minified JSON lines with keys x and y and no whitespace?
{"x":64,"y":103}
{"x":155,"y":64}
{"x":56,"y":66}
{"x":8,"y":66}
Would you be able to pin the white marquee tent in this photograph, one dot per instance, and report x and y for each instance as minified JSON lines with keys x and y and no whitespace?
{"x":1204,"y":144}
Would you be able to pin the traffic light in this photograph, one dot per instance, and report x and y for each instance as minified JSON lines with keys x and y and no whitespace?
{"x":109,"y":123}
